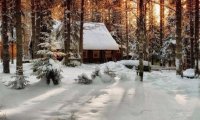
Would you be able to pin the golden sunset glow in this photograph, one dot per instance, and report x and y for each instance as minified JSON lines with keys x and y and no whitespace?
{"x":157,"y":12}
{"x":57,"y":12}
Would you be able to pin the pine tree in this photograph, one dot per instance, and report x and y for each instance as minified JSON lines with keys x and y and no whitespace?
{"x":20,"y":81}
{"x":47,"y":67}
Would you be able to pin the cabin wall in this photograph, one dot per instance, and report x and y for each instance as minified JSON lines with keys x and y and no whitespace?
{"x":100,"y":56}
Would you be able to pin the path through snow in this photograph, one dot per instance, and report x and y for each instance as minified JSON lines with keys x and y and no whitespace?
{"x":159,"y":97}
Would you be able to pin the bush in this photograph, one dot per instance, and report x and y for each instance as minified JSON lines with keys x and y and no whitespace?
{"x":19,"y":83}
{"x":83,"y":79}
{"x":95,"y":73}
{"x":47,"y":69}
{"x":109,"y":72}
{"x":74,"y":63}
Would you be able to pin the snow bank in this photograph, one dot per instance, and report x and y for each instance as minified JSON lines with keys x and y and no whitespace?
{"x":122,"y":72}
{"x":116,"y":66}
{"x":162,"y":96}
{"x":132,"y":62}
{"x":189,"y":73}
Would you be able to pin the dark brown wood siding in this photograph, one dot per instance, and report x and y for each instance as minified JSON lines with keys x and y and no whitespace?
{"x":100,"y":56}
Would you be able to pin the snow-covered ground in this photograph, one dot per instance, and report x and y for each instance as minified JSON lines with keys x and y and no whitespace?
{"x":162,"y":96}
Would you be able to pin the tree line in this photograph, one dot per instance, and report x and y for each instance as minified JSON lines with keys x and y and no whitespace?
{"x":131,"y":22}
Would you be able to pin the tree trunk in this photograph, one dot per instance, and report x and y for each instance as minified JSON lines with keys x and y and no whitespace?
{"x":81,"y":30}
{"x":6,"y":57}
{"x":37,"y":29}
{"x":19,"y":65}
{"x":197,"y":35}
{"x":33,"y":37}
{"x":141,"y":35}
{"x":187,"y":63}
{"x":161,"y":26}
{"x":146,"y":42}
{"x":178,"y":38}
{"x":127,"y":39}
{"x":11,"y":27}
{"x":67,"y":29}
{"x":151,"y":31}
{"x":191,"y":33}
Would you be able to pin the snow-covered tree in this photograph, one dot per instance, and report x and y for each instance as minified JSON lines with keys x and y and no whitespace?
{"x":168,"y":51}
{"x":19,"y":82}
{"x":47,"y":67}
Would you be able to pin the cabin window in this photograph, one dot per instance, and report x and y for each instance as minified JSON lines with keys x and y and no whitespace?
{"x":96,"y":54}
{"x":85,"y":54}
{"x":118,"y":51}
{"x":108,"y":54}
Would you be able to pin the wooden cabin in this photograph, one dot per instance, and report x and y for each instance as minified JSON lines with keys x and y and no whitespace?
{"x":98,"y":44}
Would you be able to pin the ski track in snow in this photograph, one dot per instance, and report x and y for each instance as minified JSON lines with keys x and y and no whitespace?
{"x":121,"y":100}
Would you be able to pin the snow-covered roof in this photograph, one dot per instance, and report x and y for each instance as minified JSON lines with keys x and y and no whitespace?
{"x":97,"y":37}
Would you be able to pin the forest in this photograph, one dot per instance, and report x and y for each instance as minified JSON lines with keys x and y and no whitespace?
{"x":100,"y":40}
{"x":158,"y":23}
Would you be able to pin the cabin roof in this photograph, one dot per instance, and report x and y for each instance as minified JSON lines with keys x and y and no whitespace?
{"x":97,"y":37}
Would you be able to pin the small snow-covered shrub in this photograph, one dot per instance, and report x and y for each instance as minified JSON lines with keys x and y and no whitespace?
{"x":19,"y":83}
{"x":83,"y":79}
{"x":49,"y":69}
{"x":129,"y":66}
{"x":74,"y":63}
{"x":109,"y":72}
{"x":107,"y":75}
{"x":95,"y":73}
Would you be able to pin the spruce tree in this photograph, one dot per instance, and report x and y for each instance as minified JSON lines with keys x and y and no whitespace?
{"x":47,"y":67}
